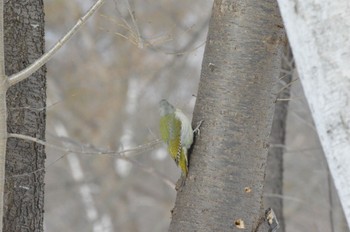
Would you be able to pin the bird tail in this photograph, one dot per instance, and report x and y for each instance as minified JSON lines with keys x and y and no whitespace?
{"x":183,"y":162}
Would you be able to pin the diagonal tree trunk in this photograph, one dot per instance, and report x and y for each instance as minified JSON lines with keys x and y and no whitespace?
{"x":241,"y":64}
{"x":318,"y":32}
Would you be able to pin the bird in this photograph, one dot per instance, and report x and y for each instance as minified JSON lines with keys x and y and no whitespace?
{"x":176,"y":131}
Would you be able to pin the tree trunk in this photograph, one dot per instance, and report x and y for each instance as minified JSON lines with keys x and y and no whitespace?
{"x":24,"y":185}
{"x":273,"y":187}
{"x":318,"y":32}
{"x":241,"y":64}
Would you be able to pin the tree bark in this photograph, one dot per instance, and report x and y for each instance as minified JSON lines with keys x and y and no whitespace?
{"x":318,"y":32}
{"x":240,"y":67}
{"x":26,"y":101}
{"x":273,"y":186}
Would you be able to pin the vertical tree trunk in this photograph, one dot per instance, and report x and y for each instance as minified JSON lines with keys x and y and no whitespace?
{"x":241,"y":64}
{"x":24,"y":42}
{"x":273,"y":187}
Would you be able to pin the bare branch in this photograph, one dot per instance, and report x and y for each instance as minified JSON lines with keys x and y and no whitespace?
{"x":25,"y":73}
{"x":95,"y":151}
{"x":92,"y":151}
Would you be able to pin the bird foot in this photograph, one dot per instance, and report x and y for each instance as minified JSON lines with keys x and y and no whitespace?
{"x":197,"y":130}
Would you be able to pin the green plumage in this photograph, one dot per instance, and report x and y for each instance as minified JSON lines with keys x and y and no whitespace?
{"x":176,"y":132}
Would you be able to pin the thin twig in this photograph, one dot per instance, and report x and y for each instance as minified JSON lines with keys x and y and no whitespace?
{"x":287,"y":85}
{"x":119,"y":154}
{"x":25,"y":73}
{"x":94,"y":152}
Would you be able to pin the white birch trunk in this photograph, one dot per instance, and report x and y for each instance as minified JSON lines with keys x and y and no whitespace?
{"x":319,"y":34}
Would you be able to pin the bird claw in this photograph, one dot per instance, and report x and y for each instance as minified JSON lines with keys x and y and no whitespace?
{"x":197,"y":130}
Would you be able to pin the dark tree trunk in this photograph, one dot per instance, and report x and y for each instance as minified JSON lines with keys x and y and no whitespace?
{"x":241,"y":64}
{"x":273,"y":188}
{"x":24,"y":43}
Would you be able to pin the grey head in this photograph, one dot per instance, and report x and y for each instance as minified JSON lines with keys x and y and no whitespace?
{"x":165,"y":108}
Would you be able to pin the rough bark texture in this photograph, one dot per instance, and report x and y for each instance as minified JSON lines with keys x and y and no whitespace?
{"x":241,"y":64}
{"x":273,"y":187}
{"x":24,"y":42}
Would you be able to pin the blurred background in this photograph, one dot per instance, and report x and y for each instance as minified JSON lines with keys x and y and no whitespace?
{"x":103,"y":92}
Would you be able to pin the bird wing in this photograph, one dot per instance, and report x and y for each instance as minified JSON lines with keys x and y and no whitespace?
{"x":170,"y":132}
